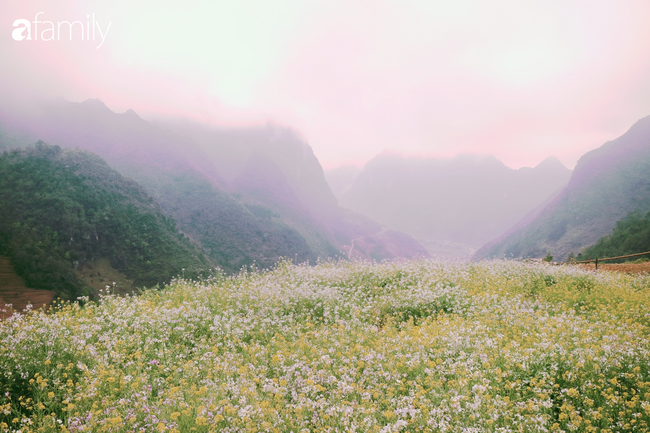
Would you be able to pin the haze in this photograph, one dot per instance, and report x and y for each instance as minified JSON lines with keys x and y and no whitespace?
{"x":517,"y":80}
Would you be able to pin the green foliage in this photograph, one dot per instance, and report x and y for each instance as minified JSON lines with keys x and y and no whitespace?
{"x":61,"y":208}
{"x":385,"y":347}
{"x":415,"y":313}
{"x":233,"y":235}
{"x":584,"y":283}
{"x":537,"y":283}
{"x":260,"y":211}
{"x":631,"y":235}
{"x":548,"y":258}
{"x":606,"y":184}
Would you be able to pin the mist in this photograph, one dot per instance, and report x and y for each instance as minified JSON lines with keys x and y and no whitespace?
{"x":451,"y":206}
{"x":387,"y":110}
{"x":520,"y":82}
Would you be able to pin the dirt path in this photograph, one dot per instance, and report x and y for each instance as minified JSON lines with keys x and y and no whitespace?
{"x":14,"y":291}
{"x":359,"y":238}
{"x":630,"y":268}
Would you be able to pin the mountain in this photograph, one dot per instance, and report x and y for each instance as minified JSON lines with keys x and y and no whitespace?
{"x":606,"y":185}
{"x":342,"y":178}
{"x":274,"y":167}
{"x":630,"y":236}
{"x":245,"y":195}
{"x":452,"y":206}
{"x":174,"y":170}
{"x":66,"y":212}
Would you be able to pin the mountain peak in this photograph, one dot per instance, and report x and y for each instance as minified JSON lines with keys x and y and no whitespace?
{"x":606,"y":184}
{"x":131,"y":114}
{"x":552,"y":163}
{"x":644,"y":122}
{"x":95,"y":104}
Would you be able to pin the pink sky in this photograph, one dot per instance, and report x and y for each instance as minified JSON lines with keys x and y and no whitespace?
{"x":518,"y":80}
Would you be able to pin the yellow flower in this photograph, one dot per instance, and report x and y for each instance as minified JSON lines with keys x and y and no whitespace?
{"x":572,"y":392}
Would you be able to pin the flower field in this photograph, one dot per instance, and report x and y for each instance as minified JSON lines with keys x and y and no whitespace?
{"x":338,"y":347}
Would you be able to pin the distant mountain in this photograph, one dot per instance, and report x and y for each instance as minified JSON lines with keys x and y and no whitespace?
{"x":341,"y":179}
{"x":247,"y":195}
{"x":452,"y":206}
{"x":62,"y":210}
{"x":272,"y":166}
{"x":606,"y":185}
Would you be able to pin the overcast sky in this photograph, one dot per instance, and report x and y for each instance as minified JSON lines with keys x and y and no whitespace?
{"x":520,"y":80}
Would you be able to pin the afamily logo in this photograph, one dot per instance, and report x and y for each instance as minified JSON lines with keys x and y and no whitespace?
{"x":48,"y":31}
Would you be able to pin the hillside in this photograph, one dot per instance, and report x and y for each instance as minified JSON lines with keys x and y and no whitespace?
{"x":274,"y":167}
{"x":62,"y":209}
{"x":175,"y":171}
{"x":418,"y":346}
{"x":452,"y":206}
{"x":14,"y":292}
{"x":606,"y":185}
{"x":271,"y":201}
{"x":630,"y":236}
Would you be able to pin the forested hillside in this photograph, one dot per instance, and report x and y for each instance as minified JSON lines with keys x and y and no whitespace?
{"x":245,"y":195}
{"x":275,"y":168}
{"x":631,"y":235}
{"x":174,"y":171}
{"x":61,"y":208}
{"x":608,"y":183}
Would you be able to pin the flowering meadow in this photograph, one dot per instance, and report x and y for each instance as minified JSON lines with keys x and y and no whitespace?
{"x":416,"y":346}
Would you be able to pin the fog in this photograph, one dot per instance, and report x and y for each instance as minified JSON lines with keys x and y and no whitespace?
{"x":429,"y":117}
{"x":517,"y":81}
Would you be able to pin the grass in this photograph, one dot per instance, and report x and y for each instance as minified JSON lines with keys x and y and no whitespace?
{"x":416,"y":346}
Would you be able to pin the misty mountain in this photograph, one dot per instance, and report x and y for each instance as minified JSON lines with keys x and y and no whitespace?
{"x":341,"y":179}
{"x":175,"y":171}
{"x":606,"y":185}
{"x":269,"y":204}
{"x":62,"y":212}
{"x":452,"y":206}
{"x":272,"y":166}
{"x":231,"y":149}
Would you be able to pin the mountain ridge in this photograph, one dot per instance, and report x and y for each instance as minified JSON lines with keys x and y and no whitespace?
{"x":453,"y":205}
{"x":63,"y":208}
{"x":183,"y":176}
{"x":607,"y":183}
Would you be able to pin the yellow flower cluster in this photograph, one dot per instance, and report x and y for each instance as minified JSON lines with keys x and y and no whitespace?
{"x":420,"y":346}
